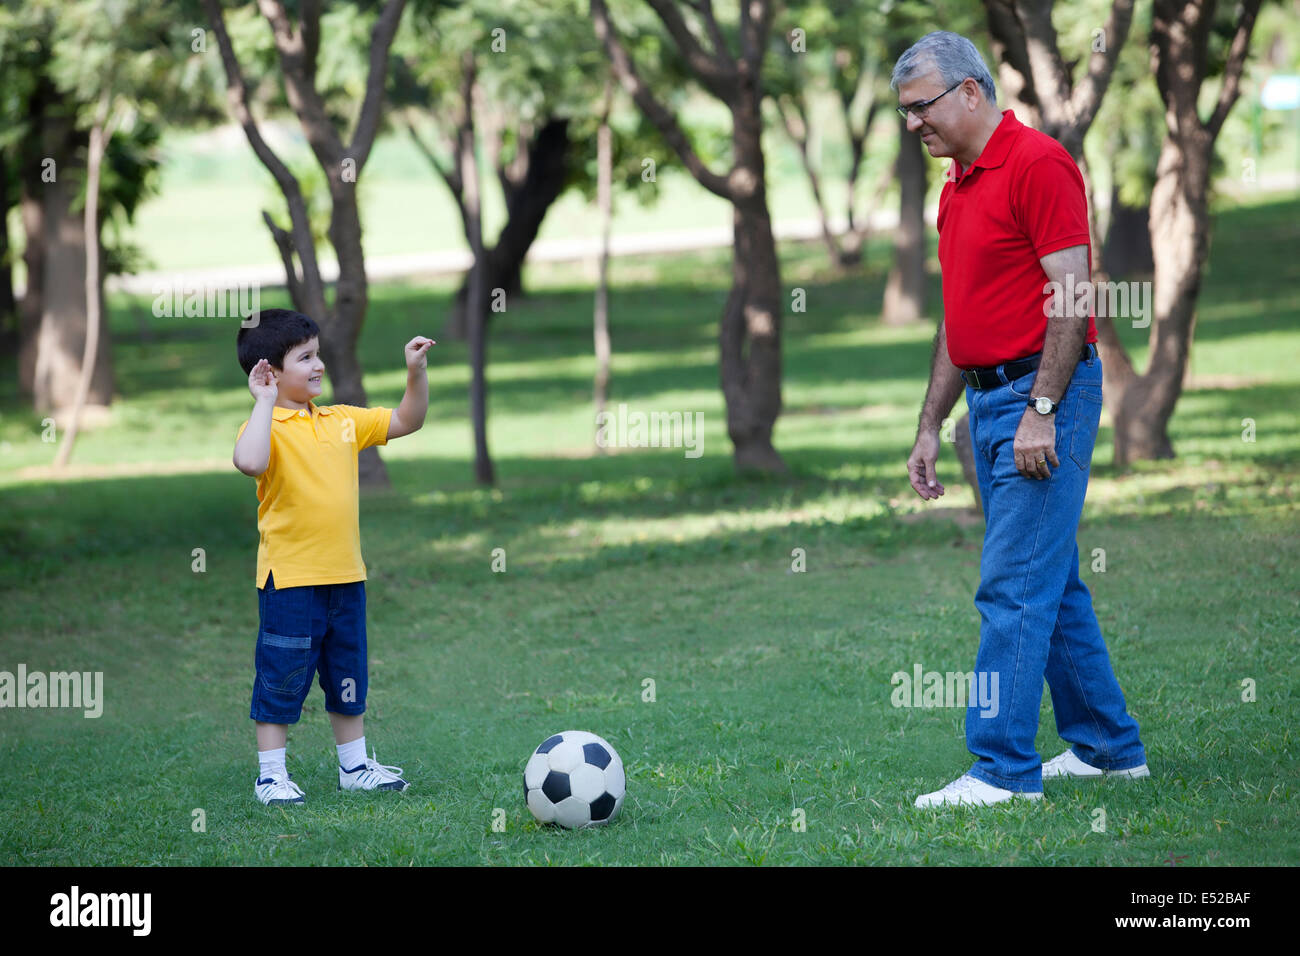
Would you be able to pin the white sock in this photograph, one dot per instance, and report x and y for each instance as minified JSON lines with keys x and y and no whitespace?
{"x":352,"y":755}
{"x":270,"y":762}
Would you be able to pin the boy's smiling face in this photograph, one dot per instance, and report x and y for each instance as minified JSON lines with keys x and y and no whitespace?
{"x":300,"y":379}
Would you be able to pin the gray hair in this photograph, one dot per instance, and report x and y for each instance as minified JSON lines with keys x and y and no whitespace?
{"x":952,"y":55}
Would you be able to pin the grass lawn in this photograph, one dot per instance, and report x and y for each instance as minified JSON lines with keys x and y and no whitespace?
{"x":771,"y":687}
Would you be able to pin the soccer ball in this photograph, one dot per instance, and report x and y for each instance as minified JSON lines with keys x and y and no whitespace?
{"x":574,"y":779}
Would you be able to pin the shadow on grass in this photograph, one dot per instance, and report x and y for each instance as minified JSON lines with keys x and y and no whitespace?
{"x":154,"y":522}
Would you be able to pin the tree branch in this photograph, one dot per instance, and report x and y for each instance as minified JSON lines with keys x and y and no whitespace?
{"x":1233,"y":68}
{"x":705,"y":9}
{"x":1008,"y":43}
{"x":663,"y":119}
{"x":237,"y":97}
{"x":285,"y":245}
{"x":299,"y":88}
{"x":1050,"y":78}
{"x":1087,"y":96}
{"x":381,"y":41}
{"x":310,"y":29}
{"x":754,"y":32}
{"x":716,"y":72}
{"x":450,"y":176}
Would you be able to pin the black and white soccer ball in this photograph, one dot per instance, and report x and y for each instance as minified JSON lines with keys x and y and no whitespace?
{"x":574,"y":779}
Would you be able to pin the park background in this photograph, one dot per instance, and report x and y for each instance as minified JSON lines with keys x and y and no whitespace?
{"x":730,"y":626}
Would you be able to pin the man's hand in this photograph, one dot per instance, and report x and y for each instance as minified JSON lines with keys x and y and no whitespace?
{"x":261,"y":382}
{"x":920,"y":465}
{"x":1035,"y":445}
{"x":416,"y":350}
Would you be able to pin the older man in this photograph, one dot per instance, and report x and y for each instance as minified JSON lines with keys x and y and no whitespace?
{"x":1012,"y":221}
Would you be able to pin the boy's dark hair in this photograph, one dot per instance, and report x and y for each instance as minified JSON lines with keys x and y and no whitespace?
{"x":272,"y":335}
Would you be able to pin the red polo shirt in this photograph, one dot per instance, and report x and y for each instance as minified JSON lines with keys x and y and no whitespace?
{"x":1022,"y":199}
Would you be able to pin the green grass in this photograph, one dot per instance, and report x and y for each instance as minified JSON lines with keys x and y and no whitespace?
{"x":772,"y":687}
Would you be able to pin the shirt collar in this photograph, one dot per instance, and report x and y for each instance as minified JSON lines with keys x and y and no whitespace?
{"x":279,"y":413}
{"x":995,"y":150}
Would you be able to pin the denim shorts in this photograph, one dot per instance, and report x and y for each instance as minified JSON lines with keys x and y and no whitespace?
{"x":303,"y":631}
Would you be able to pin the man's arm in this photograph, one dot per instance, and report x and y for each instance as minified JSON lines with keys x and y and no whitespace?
{"x":940,"y":395}
{"x":1035,"y":443}
{"x":408,"y":417}
{"x":1065,"y":334}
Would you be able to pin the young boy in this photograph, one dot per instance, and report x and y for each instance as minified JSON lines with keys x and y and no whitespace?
{"x":310,"y":576}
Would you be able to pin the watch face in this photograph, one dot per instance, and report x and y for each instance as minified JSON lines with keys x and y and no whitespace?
{"x":1044,"y":405}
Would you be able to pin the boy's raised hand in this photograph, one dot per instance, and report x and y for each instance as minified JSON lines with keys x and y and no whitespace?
{"x":416,"y":350}
{"x":261,"y":381}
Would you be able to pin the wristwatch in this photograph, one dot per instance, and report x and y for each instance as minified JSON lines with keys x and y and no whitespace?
{"x":1043,"y":405}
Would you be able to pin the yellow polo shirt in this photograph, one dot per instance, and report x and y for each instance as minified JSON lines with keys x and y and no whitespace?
{"x":308,"y":510}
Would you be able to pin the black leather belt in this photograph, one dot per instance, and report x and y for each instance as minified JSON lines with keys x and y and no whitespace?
{"x":988,"y":377}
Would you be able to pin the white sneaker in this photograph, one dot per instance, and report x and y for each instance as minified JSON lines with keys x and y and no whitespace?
{"x":278,"y":791}
{"x":1068,"y":765}
{"x":372,"y":776}
{"x":973,"y":792}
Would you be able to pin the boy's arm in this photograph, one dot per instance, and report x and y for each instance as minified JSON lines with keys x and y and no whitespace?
{"x":409,"y":415}
{"x":253,"y":449}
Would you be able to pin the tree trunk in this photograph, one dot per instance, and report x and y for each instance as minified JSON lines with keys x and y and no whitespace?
{"x":94,"y":290}
{"x":1180,"y":223}
{"x":526,"y":208}
{"x":750,"y":333}
{"x":1180,"y":219}
{"x":605,"y":203}
{"x":341,"y":325}
{"x":33,"y":305}
{"x":32,"y":155}
{"x":8,"y":304}
{"x":854,"y":237}
{"x":1128,"y":249}
{"x":297,"y":49}
{"x":61,"y":339}
{"x":477,"y":296}
{"x":751,"y":384}
{"x":905,"y":289}
{"x":751,"y":378}
{"x":1116,"y":366}
{"x":795,"y":119}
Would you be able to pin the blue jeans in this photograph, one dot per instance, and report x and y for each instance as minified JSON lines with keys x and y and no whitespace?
{"x":1036,"y":616}
{"x":302,"y":631}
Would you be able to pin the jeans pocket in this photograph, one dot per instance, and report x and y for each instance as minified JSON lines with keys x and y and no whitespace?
{"x":1024,"y":385}
{"x":283,"y":663}
{"x":1087,"y":417}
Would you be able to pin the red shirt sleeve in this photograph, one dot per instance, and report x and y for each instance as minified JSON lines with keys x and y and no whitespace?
{"x":1050,"y":205}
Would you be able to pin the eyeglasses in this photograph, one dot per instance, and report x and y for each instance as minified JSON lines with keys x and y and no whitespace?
{"x":919,"y":109}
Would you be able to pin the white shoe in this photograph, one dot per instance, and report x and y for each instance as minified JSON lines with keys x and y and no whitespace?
{"x":278,"y":791}
{"x":973,"y":792}
{"x":372,"y":775}
{"x":1068,"y":765}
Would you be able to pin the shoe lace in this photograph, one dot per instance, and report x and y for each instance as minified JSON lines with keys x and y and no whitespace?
{"x":384,"y":772}
{"x":281,"y":783}
{"x":960,"y":785}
